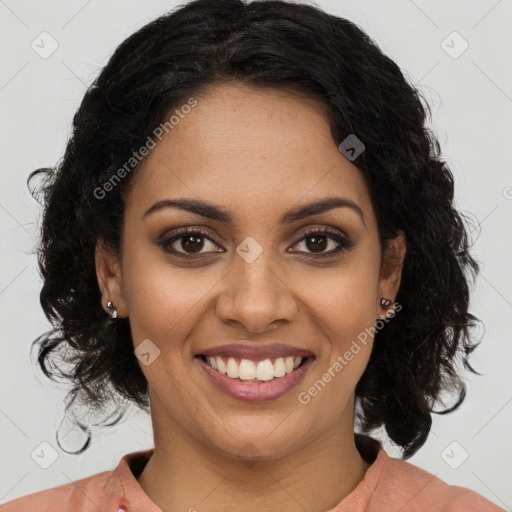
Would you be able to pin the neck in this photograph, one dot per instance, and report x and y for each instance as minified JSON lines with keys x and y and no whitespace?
{"x":185,"y":473}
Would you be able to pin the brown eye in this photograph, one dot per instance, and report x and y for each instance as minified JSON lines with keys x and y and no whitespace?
{"x":192,"y":243}
{"x":316,"y":243}
{"x":189,"y":243}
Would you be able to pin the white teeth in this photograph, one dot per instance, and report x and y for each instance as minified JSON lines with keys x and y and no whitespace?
{"x":221,"y":365}
{"x":232,"y":368}
{"x":265,"y":370}
{"x":247,"y":370}
{"x":279,"y":369}
{"x":250,"y":370}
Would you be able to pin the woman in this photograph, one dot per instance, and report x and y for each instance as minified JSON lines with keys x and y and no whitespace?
{"x":252,"y":236}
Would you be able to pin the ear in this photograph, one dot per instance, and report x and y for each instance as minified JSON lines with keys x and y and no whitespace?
{"x":391,"y":272}
{"x":110,"y":280}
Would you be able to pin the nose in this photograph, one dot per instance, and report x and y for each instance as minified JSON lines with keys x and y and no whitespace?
{"x":256,"y":296}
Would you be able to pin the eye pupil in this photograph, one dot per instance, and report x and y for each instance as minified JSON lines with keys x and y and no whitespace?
{"x":192,"y":242}
{"x":322,"y":244}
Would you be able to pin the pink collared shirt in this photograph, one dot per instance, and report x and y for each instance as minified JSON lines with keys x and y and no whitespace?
{"x":389,"y":485}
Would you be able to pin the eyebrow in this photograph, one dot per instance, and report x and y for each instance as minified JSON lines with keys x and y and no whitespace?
{"x":210,"y":211}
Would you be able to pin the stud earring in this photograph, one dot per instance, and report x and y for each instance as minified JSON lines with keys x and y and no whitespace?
{"x":110,"y":306}
{"x":384,"y":303}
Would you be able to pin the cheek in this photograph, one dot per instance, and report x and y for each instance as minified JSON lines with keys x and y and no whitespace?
{"x":353,"y":319}
{"x":344,"y":300}
{"x":163,"y":301}
{"x":351,"y":344}
{"x":344,"y":307}
{"x":345,"y":316}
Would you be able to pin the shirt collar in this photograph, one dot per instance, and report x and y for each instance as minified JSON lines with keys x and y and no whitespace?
{"x":123,"y":492}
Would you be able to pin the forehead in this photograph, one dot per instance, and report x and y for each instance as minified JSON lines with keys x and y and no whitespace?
{"x":249,"y":148}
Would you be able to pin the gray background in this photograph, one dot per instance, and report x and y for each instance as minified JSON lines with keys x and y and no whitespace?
{"x":471,"y":98}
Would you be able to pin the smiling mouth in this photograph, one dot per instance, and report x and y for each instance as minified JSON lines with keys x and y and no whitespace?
{"x":247,"y":370}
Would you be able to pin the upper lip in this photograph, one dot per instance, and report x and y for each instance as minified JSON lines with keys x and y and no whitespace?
{"x":255,"y":352}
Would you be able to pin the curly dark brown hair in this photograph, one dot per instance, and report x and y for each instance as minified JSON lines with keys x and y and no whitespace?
{"x":273,"y":44}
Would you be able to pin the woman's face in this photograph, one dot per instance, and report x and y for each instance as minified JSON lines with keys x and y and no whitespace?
{"x":252,"y":277}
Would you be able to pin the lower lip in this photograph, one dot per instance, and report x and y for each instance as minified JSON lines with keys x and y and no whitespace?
{"x":256,"y":391}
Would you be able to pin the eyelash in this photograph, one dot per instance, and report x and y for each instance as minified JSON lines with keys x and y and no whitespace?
{"x":344,"y":243}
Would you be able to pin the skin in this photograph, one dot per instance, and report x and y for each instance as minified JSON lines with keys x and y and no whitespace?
{"x":258,"y":153}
